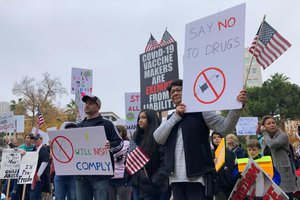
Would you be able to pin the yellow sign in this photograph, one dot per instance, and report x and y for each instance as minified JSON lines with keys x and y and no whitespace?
{"x":220,"y":155}
{"x":264,"y":162}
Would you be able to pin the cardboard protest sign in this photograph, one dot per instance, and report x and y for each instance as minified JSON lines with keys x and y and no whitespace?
{"x":81,"y":151}
{"x":246,"y":126}
{"x":43,"y":134}
{"x":157,"y":70}
{"x":220,"y":154}
{"x":28,"y":167}
{"x":132,"y":110}
{"x":214,"y":61}
{"x":256,"y":183}
{"x":7,"y":122}
{"x":10,"y":164}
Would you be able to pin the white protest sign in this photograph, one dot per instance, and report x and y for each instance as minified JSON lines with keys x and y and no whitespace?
{"x":28,"y":167}
{"x":51,"y":129}
{"x":44,"y":135}
{"x":10,"y":164}
{"x":81,"y":151}
{"x":214,"y":61}
{"x":20,"y":122}
{"x":80,"y":106}
{"x":132,"y":110}
{"x":246,"y":126}
{"x":82,"y":81}
{"x":256,"y":183}
{"x":7,"y":122}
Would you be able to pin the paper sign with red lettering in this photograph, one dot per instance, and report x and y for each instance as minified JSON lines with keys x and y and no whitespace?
{"x":214,"y":61}
{"x":81,"y":151}
{"x":256,"y":183}
{"x":158,"y":68}
{"x":132,"y":110}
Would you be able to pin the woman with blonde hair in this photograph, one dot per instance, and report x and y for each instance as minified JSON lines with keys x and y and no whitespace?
{"x":232,"y":142}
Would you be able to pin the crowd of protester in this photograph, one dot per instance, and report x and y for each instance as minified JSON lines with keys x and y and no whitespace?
{"x":181,"y":150}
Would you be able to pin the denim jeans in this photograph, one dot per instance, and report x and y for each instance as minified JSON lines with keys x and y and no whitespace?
{"x":65,"y":186}
{"x":89,"y":187}
{"x":136,"y":195}
{"x":36,"y":193}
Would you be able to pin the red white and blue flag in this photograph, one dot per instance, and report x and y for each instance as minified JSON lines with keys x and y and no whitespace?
{"x":136,"y":158}
{"x":152,"y":44}
{"x":166,"y":39}
{"x":268,"y":45}
{"x":40,"y":119}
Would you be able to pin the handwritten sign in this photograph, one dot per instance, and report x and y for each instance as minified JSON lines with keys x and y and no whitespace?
{"x":246,"y":126}
{"x":256,"y":183}
{"x":82,"y":81}
{"x":220,"y":155}
{"x":157,"y":70}
{"x":81,"y":151}
{"x":7,"y":122}
{"x":10,"y":164}
{"x":28,"y":167}
{"x":132,"y":110}
{"x":214,"y":61}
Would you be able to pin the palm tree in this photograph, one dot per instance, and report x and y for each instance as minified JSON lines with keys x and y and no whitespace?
{"x":18,"y":107}
{"x":71,"y":110}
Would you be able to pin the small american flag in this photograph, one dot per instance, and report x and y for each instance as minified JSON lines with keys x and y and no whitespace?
{"x":40,"y":119}
{"x":152,"y":44}
{"x":268,"y":45}
{"x":136,"y":158}
{"x":166,"y":39}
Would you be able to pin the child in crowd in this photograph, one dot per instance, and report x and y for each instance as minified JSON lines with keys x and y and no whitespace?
{"x":254,"y":149}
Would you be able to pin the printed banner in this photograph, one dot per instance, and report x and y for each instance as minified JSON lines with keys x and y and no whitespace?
{"x":28,"y":167}
{"x":10,"y":164}
{"x":81,"y":151}
{"x":214,"y":61}
{"x":158,"y":68}
{"x":132,"y":110}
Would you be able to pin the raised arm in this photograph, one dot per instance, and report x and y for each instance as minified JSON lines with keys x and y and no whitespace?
{"x":162,"y":133}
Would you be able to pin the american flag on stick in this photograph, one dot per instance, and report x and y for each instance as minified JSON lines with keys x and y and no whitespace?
{"x":40,"y":119}
{"x":136,"y":158}
{"x":166,"y":39}
{"x":268,"y":45}
{"x":152,"y":44}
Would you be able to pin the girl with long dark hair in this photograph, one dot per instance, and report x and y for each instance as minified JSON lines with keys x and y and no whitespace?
{"x":150,"y":181}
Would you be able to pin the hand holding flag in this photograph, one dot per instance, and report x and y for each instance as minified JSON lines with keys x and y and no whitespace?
{"x":136,"y":158}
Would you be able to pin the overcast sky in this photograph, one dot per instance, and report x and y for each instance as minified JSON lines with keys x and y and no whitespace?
{"x":107,"y":36}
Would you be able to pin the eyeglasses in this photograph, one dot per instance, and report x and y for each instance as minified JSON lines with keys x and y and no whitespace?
{"x":176,"y":90}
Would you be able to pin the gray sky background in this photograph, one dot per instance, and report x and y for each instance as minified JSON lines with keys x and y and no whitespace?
{"x":107,"y":36}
